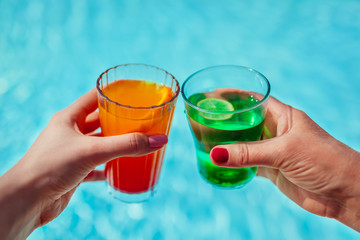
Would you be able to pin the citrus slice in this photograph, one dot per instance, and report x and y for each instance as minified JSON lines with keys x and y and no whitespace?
{"x":216,"y":105}
{"x":164,"y":95}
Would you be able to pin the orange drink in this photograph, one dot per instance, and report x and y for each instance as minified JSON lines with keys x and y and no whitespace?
{"x":129,"y":103}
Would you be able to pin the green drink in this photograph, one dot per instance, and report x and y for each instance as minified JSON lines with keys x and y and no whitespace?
{"x":223,"y":108}
{"x":211,"y":130}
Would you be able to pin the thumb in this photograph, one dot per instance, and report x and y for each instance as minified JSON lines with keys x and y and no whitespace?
{"x":126,"y":145}
{"x":246,"y":154}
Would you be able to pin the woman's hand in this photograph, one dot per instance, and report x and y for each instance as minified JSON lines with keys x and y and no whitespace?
{"x":308,"y":165}
{"x":38,"y":188}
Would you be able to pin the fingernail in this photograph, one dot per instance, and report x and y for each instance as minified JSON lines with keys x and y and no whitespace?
{"x":220,"y":155}
{"x":156,"y":141}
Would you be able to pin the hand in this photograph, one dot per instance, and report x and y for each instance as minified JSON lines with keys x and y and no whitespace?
{"x":40,"y":185}
{"x":308,"y":165}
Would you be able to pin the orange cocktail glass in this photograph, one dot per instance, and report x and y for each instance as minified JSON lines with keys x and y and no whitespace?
{"x":135,"y":98}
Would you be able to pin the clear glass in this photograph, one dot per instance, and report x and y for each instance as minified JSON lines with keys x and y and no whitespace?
{"x":243,"y":95}
{"x":133,"y":179}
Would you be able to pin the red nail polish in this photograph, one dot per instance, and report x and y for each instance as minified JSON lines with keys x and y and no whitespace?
{"x":220,"y":155}
{"x":156,"y":141}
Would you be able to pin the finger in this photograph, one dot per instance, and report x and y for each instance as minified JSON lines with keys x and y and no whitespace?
{"x":274,"y":106}
{"x":95,"y":175}
{"x":278,"y":118}
{"x":245,"y":154}
{"x":276,"y":110}
{"x":92,"y":122}
{"x":132,"y":144}
{"x":85,"y":105}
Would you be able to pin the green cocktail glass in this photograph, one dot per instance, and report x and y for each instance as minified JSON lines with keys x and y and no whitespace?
{"x":225,"y":104}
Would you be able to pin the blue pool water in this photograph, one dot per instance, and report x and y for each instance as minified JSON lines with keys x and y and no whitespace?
{"x":51,"y":52}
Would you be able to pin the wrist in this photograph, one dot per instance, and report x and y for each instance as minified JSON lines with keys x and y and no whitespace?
{"x":19,"y":207}
{"x":350,"y":215}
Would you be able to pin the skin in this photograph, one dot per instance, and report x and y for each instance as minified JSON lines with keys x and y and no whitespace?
{"x":315,"y":170}
{"x":39,"y":187}
{"x":312,"y":168}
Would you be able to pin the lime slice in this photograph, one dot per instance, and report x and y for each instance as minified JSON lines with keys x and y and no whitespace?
{"x":217,"y":105}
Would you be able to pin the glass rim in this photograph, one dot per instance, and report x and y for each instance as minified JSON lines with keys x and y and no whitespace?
{"x":177,"y":89}
{"x":265,"y":97}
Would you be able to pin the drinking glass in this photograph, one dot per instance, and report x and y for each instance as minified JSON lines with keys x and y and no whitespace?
{"x":133,"y":179}
{"x":225,"y":104}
